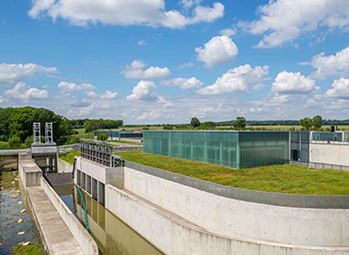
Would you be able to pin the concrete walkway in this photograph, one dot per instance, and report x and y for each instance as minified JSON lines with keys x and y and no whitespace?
{"x":56,"y":236}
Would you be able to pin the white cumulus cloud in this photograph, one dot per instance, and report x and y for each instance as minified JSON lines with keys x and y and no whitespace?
{"x":284,"y":20}
{"x":109,"y":95}
{"x":13,"y":73}
{"x":292,"y":83}
{"x":143,"y":91}
{"x":239,"y":79}
{"x":135,"y":71}
{"x":1,"y":99}
{"x":26,"y":93}
{"x":183,"y":83}
{"x":228,"y":31}
{"x":331,"y":65}
{"x":340,"y":89}
{"x":219,"y":50}
{"x":69,"y":87}
{"x":124,"y":12}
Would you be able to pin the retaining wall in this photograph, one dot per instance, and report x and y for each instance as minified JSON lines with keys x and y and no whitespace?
{"x":86,"y":242}
{"x":241,"y":219}
{"x":64,"y":167}
{"x":223,"y":220}
{"x":175,"y":238}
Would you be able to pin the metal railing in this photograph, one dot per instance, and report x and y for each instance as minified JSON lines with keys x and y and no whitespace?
{"x":101,"y":154}
{"x":318,"y":165}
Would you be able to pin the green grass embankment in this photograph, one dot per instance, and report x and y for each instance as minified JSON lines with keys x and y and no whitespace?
{"x":276,"y":178}
{"x":70,"y":156}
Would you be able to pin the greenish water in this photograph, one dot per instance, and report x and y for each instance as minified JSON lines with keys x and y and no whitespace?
{"x":10,"y":208}
{"x":110,"y":233}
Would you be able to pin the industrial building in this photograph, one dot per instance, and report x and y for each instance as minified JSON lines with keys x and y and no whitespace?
{"x":120,"y":134}
{"x":236,"y":149}
{"x":247,"y":149}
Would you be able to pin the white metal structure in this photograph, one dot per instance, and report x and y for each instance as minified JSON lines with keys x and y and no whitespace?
{"x":49,"y":132}
{"x":36,"y":133}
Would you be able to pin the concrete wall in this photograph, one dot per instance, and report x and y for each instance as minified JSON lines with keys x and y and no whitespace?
{"x":60,"y":178}
{"x":173,"y":236}
{"x":337,"y":154}
{"x":29,"y":172}
{"x":64,"y":167}
{"x":101,"y":173}
{"x":179,"y":219}
{"x":86,"y":242}
{"x":239,"y":219}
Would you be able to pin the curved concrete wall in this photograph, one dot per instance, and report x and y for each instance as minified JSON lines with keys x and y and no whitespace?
{"x":175,"y":237}
{"x":244,"y":220}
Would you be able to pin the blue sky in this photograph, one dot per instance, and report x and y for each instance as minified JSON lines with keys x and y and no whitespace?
{"x":160,"y":61}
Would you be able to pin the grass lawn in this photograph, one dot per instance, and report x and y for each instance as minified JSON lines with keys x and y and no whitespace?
{"x":79,"y":130}
{"x":70,"y":156}
{"x":276,"y":178}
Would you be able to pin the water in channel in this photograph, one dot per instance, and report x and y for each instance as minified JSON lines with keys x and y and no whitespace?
{"x":110,"y":233}
{"x":13,"y":222}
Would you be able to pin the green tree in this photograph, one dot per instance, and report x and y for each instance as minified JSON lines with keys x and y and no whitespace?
{"x":317,"y":122}
{"x":28,"y":142}
{"x":195,"y":122}
{"x":208,"y":125}
{"x":14,"y":142}
{"x":240,"y":123}
{"x":3,"y":138}
{"x":306,"y":123}
{"x":102,"y":136}
{"x":19,"y":122}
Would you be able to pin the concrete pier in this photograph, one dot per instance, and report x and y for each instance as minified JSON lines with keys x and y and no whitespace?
{"x":56,"y":236}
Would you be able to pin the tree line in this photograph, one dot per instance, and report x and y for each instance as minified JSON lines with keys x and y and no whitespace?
{"x":16,"y":125}
{"x":281,"y":122}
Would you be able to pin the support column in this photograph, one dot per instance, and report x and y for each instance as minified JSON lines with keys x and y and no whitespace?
{"x":100,"y":193}
{"x":88,"y":184}
{"x":94,"y":188}
{"x":78,"y":177}
{"x":83,"y":181}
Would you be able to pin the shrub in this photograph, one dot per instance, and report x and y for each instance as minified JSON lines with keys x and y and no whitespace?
{"x":3,"y":138}
{"x":28,"y":142}
{"x":102,"y":136}
{"x":14,"y":142}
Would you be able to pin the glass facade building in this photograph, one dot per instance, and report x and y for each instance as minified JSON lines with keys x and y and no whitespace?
{"x":328,"y":136}
{"x":121,"y":133}
{"x":300,"y":145}
{"x":236,"y":149}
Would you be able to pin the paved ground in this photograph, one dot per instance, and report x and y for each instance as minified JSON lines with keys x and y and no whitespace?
{"x":58,"y":237}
